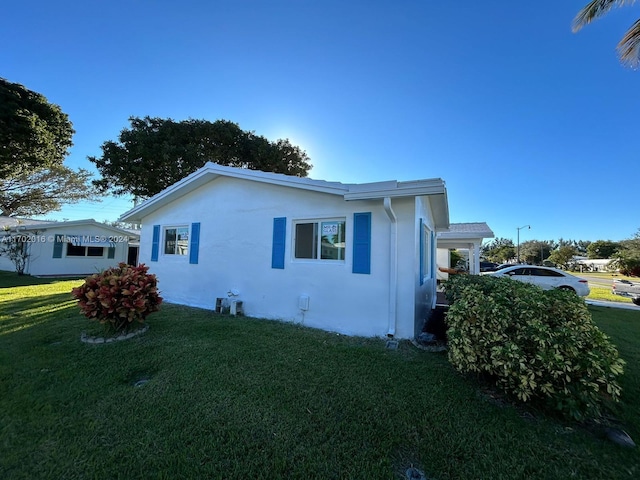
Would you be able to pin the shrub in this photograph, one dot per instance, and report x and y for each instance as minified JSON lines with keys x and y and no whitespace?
{"x":119,"y":296}
{"x":538,"y":346}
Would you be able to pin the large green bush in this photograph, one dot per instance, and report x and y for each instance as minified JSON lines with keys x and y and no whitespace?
{"x":539,"y":346}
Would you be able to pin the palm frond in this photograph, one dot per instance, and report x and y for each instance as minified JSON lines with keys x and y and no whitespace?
{"x":629,"y":46}
{"x":595,"y":9}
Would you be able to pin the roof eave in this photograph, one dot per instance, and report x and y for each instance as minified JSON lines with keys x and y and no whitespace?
{"x":414,"y":191}
{"x":212,"y":171}
{"x":72,"y":223}
{"x":440,"y":210}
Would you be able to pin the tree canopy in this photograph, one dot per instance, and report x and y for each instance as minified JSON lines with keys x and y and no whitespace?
{"x":33,"y":132}
{"x":627,"y":258}
{"x":629,"y":45}
{"x":35,"y":137}
{"x":154,"y":153}
{"x":562,"y":255}
{"x":499,"y":250}
{"x":535,"y":251}
{"x":580,"y":246}
{"x":602,"y":249}
{"x":44,"y":190}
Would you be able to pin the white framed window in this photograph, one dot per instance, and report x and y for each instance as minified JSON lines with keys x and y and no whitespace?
{"x":426,"y":257}
{"x":427,"y":252}
{"x":176,"y":240}
{"x":319,"y":239}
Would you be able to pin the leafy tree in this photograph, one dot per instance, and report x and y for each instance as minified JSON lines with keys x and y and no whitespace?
{"x":154,"y":153}
{"x":602,"y":249}
{"x":34,"y":133}
{"x":44,"y":190}
{"x":562,"y":255}
{"x":627,"y":258}
{"x":629,"y":46}
{"x":499,"y":250}
{"x":123,"y":225}
{"x":535,"y":251}
{"x":15,"y":249}
{"x":582,"y":246}
{"x":455,"y":258}
{"x":579,"y":245}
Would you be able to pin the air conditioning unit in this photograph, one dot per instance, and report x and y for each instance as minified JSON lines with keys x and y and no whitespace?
{"x":236,"y":308}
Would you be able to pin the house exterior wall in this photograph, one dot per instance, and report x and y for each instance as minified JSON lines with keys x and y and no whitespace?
{"x":425,"y":263}
{"x":41,"y":252}
{"x":406,"y":259}
{"x":235,"y":252}
{"x":6,"y":264}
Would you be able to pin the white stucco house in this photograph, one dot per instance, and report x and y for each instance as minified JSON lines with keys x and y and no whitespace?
{"x":593,"y":264}
{"x":358,"y":259}
{"x":80,"y":247}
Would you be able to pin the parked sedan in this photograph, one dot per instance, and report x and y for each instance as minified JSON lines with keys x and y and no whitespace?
{"x":488,"y":266}
{"x":545,"y":277}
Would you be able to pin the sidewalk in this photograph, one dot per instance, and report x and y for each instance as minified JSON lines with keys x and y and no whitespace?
{"x":602,"y":303}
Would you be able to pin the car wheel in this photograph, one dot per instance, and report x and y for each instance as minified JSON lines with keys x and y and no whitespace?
{"x":567,"y":288}
{"x":636,"y":301}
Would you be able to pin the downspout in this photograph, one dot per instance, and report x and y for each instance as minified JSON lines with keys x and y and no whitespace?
{"x":393,"y":266}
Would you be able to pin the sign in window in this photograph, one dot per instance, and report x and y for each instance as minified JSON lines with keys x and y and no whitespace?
{"x":324,"y":240}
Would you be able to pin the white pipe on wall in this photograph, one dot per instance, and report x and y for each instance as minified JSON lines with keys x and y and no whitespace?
{"x":393,"y":266}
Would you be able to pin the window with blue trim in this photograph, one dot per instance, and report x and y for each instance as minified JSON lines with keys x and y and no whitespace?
{"x":176,"y":240}
{"x":425,"y":252}
{"x":319,"y":239}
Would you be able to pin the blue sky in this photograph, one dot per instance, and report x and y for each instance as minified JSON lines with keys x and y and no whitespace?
{"x":525,"y":121}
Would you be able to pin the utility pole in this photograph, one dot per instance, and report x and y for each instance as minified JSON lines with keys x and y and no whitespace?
{"x":518,"y":249}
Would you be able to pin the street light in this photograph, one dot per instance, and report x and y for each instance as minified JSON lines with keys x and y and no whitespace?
{"x":520,"y":228}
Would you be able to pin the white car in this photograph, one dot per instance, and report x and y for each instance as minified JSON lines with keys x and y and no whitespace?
{"x":545,"y":278}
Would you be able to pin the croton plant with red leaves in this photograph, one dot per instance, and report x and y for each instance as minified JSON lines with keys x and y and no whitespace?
{"x":119,"y":296}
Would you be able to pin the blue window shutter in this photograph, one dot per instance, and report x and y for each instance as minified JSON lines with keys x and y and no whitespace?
{"x":155,"y":245}
{"x":279,"y":242}
{"x":194,"y":244}
{"x":111,"y":252}
{"x":434,"y":254}
{"x":57,"y":246}
{"x":422,"y":247}
{"x":362,"y":243}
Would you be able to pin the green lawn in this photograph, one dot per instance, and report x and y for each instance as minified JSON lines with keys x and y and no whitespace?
{"x":244,"y":398}
{"x":604,"y":293}
{"x":601,"y":292}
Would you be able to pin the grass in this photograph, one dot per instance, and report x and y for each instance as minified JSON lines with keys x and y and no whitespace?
{"x":245,"y":398}
{"x":604,"y":293}
{"x":600,"y":292}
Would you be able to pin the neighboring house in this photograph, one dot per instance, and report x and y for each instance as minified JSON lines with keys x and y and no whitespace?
{"x":465,"y":237}
{"x":79,"y":247}
{"x":357,"y":259}
{"x":593,"y":265}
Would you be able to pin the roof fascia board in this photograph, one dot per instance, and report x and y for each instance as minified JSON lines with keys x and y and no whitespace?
{"x":409,"y":191}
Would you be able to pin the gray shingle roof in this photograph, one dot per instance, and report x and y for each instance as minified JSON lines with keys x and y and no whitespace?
{"x":467,"y":230}
{"x":14,"y":221}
